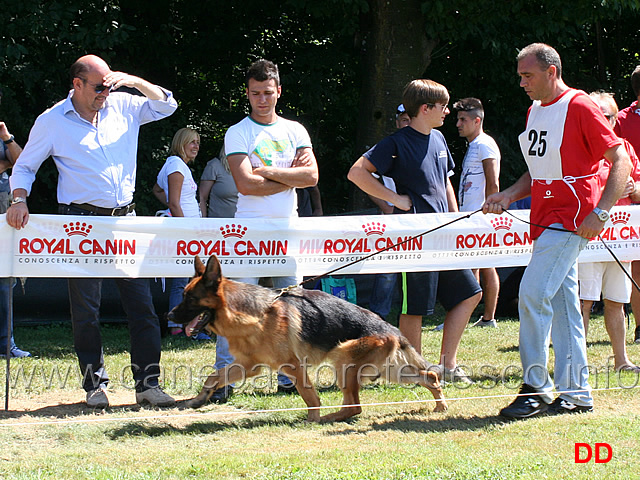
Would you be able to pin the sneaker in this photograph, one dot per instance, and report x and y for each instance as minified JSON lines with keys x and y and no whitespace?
{"x":97,"y":398}
{"x":628,"y":368}
{"x":637,"y":335}
{"x":450,"y":375}
{"x":15,"y":353}
{"x":201,"y":336}
{"x":527,"y":404}
{"x":221,"y":395}
{"x":561,"y":406}
{"x":485,"y":323}
{"x":457,"y":374}
{"x":156,"y":397}
{"x":438,"y":328}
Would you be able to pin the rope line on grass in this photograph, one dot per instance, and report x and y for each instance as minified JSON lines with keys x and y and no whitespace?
{"x":284,"y":410}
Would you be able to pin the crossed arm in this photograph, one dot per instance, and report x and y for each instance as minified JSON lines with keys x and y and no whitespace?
{"x":263,"y":181}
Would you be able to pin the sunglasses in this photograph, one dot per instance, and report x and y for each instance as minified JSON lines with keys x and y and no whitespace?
{"x":97,"y":87}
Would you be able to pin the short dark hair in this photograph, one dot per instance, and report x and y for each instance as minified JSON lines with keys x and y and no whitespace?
{"x":423,"y":92}
{"x":545,"y":55}
{"x":262,"y":70}
{"x":635,"y":81}
{"x":78,"y":69}
{"x":471,"y":105}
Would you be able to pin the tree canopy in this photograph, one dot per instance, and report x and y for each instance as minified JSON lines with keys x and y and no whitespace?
{"x":343,"y":65}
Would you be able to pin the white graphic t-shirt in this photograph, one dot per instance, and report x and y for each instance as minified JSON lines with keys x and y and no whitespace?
{"x":267,"y":145}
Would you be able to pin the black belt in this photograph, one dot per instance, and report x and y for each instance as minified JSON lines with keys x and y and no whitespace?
{"x":109,"y":212}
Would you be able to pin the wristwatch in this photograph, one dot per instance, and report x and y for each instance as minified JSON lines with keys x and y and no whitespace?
{"x":8,"y":141}
{"x":603,"y":215}
{"x":18,"y":200}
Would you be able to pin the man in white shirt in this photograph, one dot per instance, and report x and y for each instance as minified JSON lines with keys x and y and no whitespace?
{"x":92,"y":137}
{"x":479,"y":179}
{"x":269,"y":157}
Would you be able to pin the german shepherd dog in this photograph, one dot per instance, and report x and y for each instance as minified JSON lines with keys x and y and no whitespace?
{"x":294,"y":330}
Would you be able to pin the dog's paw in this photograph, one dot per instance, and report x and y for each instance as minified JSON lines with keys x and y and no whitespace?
{"x":195,"y":402}
{"x":441,"y":407}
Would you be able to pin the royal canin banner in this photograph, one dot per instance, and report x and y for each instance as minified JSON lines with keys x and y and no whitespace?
{"x":89,"y":246}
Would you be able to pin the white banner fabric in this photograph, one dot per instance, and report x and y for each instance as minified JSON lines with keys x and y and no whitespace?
{"x":91,"y":246}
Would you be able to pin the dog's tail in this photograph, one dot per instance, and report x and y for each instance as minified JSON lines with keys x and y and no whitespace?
{"x":412,"y":356}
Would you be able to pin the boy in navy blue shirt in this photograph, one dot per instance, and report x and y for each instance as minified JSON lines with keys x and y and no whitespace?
{"x":417,"y":158}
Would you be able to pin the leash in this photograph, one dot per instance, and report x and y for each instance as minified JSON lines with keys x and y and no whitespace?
{"x":337,"y":269}
{"x":504,"y":210}
{"x":557,"y":229}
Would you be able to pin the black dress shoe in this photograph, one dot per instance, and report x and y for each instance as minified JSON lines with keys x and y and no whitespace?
{"x":287,"y":389}
{"x":527,"y":404}
{"x":561,"y":406}
{"x":221,"y":395}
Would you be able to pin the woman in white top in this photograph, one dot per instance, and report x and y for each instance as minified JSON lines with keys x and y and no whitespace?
{"x":176,"y":188}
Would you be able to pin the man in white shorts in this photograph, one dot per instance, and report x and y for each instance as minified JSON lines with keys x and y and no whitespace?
{"x":607,"y":278}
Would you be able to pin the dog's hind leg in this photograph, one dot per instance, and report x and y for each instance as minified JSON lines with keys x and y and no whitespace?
{"x":430,"y":380}
{"x":225,"y":376}
{"x":306,"y":390}
{"x":348,"y":382}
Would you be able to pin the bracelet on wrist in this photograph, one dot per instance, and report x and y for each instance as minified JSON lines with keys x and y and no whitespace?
{"x":8,"y":141}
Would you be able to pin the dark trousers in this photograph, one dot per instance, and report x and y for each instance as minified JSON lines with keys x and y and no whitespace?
{"x":6,"y":290}
{"x":144,"y":326}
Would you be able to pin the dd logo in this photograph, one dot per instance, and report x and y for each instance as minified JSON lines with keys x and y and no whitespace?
{"x":588,"y":452}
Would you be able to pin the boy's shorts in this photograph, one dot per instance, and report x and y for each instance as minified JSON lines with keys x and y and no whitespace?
{"x":420,"y":290}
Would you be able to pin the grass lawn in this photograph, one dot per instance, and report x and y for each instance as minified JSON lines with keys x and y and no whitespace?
{"x":50,"y":433}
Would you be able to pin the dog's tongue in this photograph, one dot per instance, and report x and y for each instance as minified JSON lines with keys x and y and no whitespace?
{"x":193,"y":324}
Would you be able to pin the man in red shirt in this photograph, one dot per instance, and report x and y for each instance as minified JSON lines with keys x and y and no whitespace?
{"x":628,"y":127}
{"x":565,"y":139}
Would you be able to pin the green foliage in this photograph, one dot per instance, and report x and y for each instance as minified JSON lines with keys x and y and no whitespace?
{"x":200,"y":50}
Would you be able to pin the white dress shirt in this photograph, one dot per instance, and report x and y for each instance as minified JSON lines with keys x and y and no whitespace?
{"x":96,"y":165}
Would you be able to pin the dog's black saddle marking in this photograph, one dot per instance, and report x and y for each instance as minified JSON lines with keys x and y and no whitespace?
{"x":328,"y":320}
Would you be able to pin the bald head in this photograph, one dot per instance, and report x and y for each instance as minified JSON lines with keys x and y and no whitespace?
{"x":88,"y":64}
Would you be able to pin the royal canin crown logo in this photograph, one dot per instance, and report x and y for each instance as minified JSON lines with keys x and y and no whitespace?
{"x":502,"y":223}
{"x":77,"y":228}
{"x":374,"y":228}
{"x":233,"y":230}
{"x":620,"y":217}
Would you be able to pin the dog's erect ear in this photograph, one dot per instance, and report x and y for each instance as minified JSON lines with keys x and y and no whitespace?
{"x":200,"y":267}
{"x":213,"y":273}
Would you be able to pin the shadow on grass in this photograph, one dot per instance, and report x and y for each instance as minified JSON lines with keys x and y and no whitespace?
{"x":414,"y":420}
{"x":145,"y":429}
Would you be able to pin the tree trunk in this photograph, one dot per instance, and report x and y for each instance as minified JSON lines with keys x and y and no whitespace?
{"x":396,"y":51}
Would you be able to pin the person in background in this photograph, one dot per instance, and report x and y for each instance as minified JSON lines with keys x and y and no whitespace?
{"x":218,"y":199}
{"x":176,"y":189}
{"x":309,"y":202}
{"x":479,"y":179}
{"x":9,"y":152}
{"x":384,"y":284}
{"x":566,"y":137}
{"x":218,"y":192}
{"x":628,"y":127}
{"x":608,"y":278}
{"x":92,"y":137}
{"x":418,"y":159}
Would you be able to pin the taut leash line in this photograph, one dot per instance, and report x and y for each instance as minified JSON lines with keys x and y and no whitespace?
{"x":341,"y":267}
{"x":617,"y":260}
{"x":463,"y":217}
